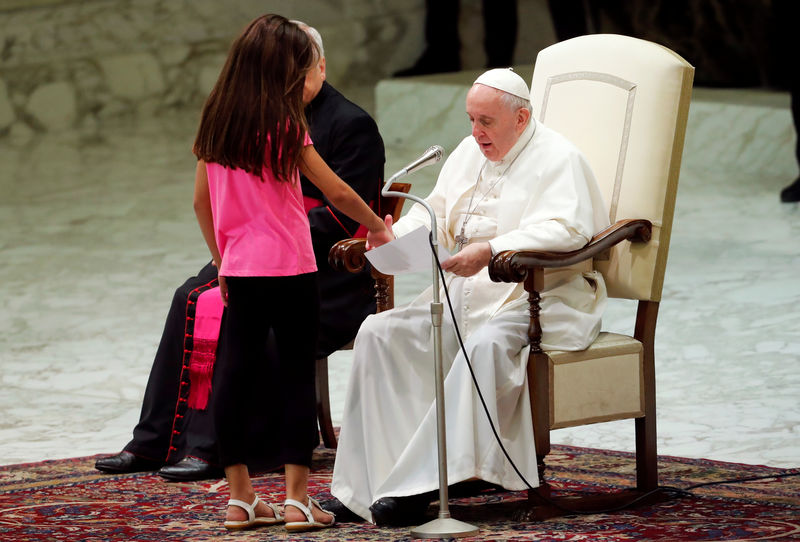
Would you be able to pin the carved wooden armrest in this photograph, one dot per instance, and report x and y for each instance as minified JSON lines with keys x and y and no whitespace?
{"x":350,"y":255}
{"x":529,"y":265}
{"x":514,"y":265}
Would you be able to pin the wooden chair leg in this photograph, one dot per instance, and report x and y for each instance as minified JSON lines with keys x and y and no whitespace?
{"x":539,"y":390}
{"x":646,"y":453}
{"x":324,"y":404}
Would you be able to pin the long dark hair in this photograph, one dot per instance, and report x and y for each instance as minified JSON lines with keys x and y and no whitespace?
{"x":257,"y":103}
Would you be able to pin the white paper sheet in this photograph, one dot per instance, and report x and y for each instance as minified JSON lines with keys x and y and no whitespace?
{"x":407,"y":254}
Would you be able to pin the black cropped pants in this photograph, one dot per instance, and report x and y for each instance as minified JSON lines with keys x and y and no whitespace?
{"x":284,"y":396}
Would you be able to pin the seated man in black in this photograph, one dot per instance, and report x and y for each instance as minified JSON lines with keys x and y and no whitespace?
{"x":174,"y":435}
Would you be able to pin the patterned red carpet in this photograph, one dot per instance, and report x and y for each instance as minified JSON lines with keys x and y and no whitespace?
{"x":69,"y":500}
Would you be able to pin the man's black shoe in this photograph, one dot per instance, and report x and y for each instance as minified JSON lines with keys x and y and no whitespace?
{"x":400,"y":511}
{"x":343,"y":513}
{"x":791,"y":193}
{"x":125,"y":462}
{"x":190,"y":469}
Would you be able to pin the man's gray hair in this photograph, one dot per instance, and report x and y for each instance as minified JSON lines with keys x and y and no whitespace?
{"x":313,"y":33}
{"x":514,"y":102}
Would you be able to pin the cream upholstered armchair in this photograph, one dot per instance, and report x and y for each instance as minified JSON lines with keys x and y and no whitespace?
{"x":624,"y":102}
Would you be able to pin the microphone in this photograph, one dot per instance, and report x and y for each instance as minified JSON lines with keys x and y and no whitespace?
{"x":429,"y":157}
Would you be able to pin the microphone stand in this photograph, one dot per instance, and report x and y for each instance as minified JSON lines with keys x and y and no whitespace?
{"x":444,"y":526}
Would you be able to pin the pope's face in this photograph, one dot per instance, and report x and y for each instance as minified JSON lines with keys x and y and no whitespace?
{"x":495,"y":126}
{"x":314,"y":78}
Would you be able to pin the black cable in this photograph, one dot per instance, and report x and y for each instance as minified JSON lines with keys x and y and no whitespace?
{"x":739,"y":480}
{"x":469,"y":365}
{"x":680,"y":492}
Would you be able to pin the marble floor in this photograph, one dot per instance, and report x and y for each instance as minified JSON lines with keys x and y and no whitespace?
{"x":98,"y":229}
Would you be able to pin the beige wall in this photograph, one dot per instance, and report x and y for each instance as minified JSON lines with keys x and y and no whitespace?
{"x":73,"y":63}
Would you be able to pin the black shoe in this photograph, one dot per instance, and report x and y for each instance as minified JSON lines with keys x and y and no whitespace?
{"x":343,"y":513}
{"x":791,"y":193}
{"x":471,"y":488}
{"x":190,"y":469}
{"x":125,"y":462}
{"x":400,"y":511}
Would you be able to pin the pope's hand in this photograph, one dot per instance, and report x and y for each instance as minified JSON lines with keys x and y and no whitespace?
{"x":470,"y":260}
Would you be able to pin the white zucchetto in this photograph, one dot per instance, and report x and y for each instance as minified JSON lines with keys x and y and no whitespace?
{"x":506,"y":80}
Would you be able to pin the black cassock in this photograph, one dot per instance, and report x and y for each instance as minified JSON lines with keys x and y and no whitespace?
{"x":347,"y":138}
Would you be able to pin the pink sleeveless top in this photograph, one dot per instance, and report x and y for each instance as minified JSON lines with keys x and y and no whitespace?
{"x":261,"y":227}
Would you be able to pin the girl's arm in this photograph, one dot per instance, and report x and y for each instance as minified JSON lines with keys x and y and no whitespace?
{"x":342,"y":196}
{"x":202,"y":208}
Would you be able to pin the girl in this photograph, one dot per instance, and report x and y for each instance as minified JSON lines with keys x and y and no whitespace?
{"x":251,"y":141}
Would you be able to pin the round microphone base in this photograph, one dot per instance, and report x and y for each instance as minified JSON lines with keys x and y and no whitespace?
{"x":444,"y":528}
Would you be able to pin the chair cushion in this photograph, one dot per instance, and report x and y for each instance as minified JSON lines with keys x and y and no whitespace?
{"x":602,"y":383}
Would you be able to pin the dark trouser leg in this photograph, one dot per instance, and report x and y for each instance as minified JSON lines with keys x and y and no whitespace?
{"x":795,"y":90}
{"x":569,"y":18}
{"x":791,"y":193}
{"x":441,"y":33}
{"x":500,"y":27}
{"x":290,"y":307}
{"x":151,"y":436}
{"x":442,"y":47}
{"x":786,"y":54}
{"x":295,"y":337}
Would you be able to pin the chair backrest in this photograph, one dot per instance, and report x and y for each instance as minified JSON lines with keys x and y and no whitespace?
{"x":624,"y":102}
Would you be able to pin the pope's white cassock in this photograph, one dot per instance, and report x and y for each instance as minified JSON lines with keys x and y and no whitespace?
{"x":540,"y":195}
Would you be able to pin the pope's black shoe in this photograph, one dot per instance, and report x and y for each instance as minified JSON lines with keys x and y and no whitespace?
{"x":343,"y":513}
{"x":125,"y":462}
{"x":470,"y":488}
{"x":400,"y":511}
{"x":791,"y":193}
{"x":190,"y":469}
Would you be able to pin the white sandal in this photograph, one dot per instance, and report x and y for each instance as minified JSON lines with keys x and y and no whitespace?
{"x":252,"y":520}
{"x":310,"y":523}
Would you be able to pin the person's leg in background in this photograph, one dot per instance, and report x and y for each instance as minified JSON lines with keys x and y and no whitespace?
{"x":785,"y":57}
{"x":442,"y":47}
{"x":500,"y":32}
{"x":791,"y":193}
{"x":569,"y":18}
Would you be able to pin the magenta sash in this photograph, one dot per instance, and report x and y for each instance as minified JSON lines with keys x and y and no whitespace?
{"x":208,"y":317}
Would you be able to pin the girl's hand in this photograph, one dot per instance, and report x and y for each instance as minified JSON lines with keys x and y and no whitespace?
{"x":223,"y":290}
{"x":381,"y":237}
